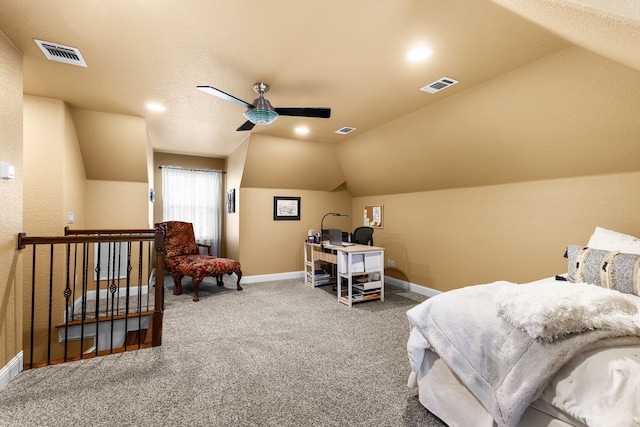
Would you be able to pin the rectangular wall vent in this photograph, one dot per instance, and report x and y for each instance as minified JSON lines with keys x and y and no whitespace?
{"x":345,"y":130}
{"x":439,"y":84}
{"x":60,"y":53}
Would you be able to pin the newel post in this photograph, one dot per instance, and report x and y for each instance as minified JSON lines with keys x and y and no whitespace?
{"x":160,"y":232}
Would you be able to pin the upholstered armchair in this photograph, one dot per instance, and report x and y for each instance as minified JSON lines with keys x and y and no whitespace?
{"x":183,"y":258}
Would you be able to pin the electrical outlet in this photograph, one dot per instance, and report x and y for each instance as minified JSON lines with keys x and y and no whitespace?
{"x":391,"y":263}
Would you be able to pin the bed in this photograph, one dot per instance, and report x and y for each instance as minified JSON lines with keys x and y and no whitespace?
{"x":560,"y":351}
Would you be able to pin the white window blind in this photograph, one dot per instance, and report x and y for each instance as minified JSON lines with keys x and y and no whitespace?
{"x":195,"y":196}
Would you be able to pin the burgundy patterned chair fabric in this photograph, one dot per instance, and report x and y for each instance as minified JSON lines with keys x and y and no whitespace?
{"x":183,"y":258}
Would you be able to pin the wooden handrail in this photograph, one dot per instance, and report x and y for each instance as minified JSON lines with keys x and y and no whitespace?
{"x":70,"y":232}
{"x":24,"y":240}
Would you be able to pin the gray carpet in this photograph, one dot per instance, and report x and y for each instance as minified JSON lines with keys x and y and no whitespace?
{"x":275,"y":354}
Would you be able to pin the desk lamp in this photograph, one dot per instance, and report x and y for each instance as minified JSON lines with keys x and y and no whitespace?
{"x":322,"y":225}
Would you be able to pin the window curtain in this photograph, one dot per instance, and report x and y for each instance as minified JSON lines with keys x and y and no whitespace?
{"x":195,"y":196}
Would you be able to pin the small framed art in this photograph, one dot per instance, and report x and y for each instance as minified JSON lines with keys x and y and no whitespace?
{"x":286,"y":208}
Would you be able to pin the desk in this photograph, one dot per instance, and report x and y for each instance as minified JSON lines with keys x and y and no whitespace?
{"x":359,"y":275}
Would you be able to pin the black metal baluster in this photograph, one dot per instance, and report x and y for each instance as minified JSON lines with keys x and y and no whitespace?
{"x":50,"y":305}
{"x":33,"y":304}
{"x":85,"y":285}
{"x":67,"y":295}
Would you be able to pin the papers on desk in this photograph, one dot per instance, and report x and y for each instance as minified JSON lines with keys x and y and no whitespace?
{"x":360,"y":263}
{"x":372,"y":262}
{"x":357,"y":263}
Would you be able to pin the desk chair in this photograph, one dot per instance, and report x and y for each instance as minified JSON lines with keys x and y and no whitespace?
{"x":362,"y":236}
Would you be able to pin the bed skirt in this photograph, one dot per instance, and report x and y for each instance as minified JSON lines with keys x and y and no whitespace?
{"x":440,"y":391}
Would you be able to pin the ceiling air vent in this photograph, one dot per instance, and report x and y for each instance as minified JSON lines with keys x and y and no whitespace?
{"x":60,"y":53}
{"x":345,"y":130}
{"x":439,"y":84}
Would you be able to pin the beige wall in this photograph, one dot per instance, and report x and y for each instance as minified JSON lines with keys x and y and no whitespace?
{"x":55,"y":180}
{"x":44,"y":131}
{"x":11,"y":216}
{"x":268,"y":246}
{"x":114,"y":146}
{"x":117,"y":204}
{"x":235,"y":169}
{"x":306,"y":165}
{"x":453,"y":238}
{"x":74,"y":176}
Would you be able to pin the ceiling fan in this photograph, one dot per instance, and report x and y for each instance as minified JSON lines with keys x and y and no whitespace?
{"x":260,"y":111}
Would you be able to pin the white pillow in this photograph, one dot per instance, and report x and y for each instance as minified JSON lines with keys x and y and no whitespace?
{"x":608,"y":240}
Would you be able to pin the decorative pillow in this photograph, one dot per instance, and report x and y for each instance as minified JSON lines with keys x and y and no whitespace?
{"x":549,"y":311}
{"x":613,"y":241}
{"x":609,"y":269}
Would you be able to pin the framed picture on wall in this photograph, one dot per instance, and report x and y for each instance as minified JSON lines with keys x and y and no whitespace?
{"x":231,"y":200}
{"x":286,"y":208}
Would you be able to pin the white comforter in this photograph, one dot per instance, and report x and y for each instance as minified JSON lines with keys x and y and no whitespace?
{"x":503,"y":366}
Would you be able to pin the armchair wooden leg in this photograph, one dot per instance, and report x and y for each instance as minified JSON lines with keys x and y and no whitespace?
{"x":177,"y":282}
{"x":239,"y":273}
{"x":196,"y":285}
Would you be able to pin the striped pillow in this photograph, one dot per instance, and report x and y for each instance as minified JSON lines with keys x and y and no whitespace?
{"x":609,"y":269}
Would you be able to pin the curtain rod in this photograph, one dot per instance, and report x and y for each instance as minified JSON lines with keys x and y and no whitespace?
{"x":191,"y":169}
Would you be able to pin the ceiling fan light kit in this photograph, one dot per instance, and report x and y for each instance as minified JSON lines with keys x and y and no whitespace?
{"x":260,"y":116}
{"x":260,"y":112}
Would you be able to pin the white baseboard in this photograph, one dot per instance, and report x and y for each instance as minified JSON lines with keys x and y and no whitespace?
{"x":13,"y":368}
{"x":272,"y":277}
{"x":419,"y":289}
{"x":133,"y":291}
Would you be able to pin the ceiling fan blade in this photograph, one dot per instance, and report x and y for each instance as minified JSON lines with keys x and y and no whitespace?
{"x":220,"y":94}
{"x":323,"y":113}
{"x":246,"y":126}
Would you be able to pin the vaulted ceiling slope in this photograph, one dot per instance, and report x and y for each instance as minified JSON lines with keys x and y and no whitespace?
{"x":542,"y":84}
{"x":609,"y":28}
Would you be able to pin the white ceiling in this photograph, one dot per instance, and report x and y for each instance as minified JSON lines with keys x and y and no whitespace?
{"x":347,"y":55}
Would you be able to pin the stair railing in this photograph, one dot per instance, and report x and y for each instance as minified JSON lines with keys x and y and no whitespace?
{"x":99,"y":283}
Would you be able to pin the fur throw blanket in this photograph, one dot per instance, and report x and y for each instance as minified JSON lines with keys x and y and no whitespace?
{"x":551,"y":310}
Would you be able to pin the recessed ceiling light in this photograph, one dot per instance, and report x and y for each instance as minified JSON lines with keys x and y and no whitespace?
{"x":301,"y":130}
{"x":419,"y":53}
{"x":155,"y":107}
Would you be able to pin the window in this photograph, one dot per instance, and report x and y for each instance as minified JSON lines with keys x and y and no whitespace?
{"x":111,"y":260}
{"x":195,"y":196}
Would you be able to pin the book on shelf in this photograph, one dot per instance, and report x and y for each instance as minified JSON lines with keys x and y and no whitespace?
{"x":319,"y":274}
{"x":360,"y":297}
{"x":366,"y":291}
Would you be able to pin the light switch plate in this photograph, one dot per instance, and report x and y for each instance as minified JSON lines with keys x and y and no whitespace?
{"x":7,"y":171}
